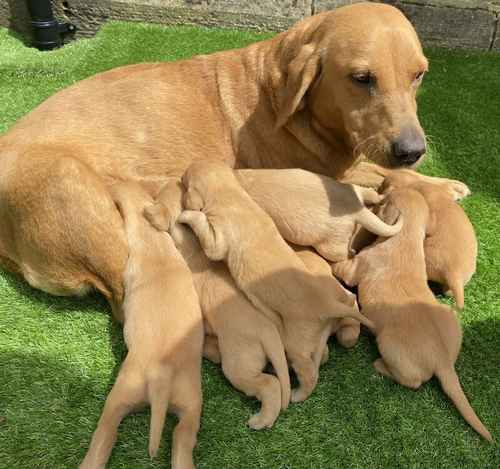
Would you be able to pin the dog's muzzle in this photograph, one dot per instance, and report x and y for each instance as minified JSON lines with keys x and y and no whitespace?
{"x":409,"y":146}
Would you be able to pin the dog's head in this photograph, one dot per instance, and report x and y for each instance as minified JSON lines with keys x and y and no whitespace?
{"x":356,"y":72}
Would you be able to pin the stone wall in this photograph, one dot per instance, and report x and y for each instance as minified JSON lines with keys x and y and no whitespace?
{"x":448,"y":23}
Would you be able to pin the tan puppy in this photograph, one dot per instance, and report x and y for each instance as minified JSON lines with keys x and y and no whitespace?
{"x":451,"y":248}
{"x":233,"y":228}
{"x":335,"y":86}
{"x":164,"y":335}
{"x":416,"y":335}
{"x":239,"y":336}
{"x":346,"y":330}
{"x":313,"y":210}
{"x":168,"y":206}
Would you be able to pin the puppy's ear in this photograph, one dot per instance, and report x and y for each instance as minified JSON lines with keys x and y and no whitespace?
{"x":300,"y":75}
{"x":193,"y":200}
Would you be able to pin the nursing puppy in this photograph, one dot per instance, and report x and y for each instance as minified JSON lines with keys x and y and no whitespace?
{"x":238,"y":335}
{"x":233,"y":228}
{"x":163,"y":215}
{"x":163,"y":331}
{"x":313,"y":210}
{"x":346,"y":330}
{"x":416,"y":335}
{"x":451,"y":247}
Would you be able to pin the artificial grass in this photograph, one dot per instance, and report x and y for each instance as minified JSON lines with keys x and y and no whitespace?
{"x":59,"y":357}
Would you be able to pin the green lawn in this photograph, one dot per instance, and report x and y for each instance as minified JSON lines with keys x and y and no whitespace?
{"x":59,"y":357}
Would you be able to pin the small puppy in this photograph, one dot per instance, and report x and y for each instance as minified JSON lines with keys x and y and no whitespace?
{"x":238,"y":335}
{"x":232,"y":227}
{"x":416,"y":335}
{"x":451,"y":248}
{"x":313,"y":210}
{"x":164,"y":335}
{"x":346,"y":330}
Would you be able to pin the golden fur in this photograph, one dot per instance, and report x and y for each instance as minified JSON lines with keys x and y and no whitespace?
{"x":416,"y":335}
{"x":238,"y":335}
{"x":290,"y":101}
{"x":232,"y":227}
{"x":313,"y":210}
{"x":164,"y":335}
{"x":451,"y":247}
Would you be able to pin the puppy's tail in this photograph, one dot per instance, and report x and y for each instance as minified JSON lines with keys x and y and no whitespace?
{"x":273,"y":347}
{"x":456,"y":285}
{"x":451,"y":386}
{"x":340,"y":310}
{"x":158,"y":394}
{"x":375,"y":225}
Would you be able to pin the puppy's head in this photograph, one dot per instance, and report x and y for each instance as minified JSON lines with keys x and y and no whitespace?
{"x":356,"y":71}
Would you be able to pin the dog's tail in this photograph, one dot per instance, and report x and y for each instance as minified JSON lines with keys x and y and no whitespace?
{"x":273,"y":347}
{"x":340,"y":310}
{"x":159,"y":381}
{"x":456,"y":286}
{"x":375,"y":225}
{"x":451,"y":386}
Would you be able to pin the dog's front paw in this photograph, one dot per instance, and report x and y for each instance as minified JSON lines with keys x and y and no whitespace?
{"x":457,"y":189}
{"x":260,"y":421}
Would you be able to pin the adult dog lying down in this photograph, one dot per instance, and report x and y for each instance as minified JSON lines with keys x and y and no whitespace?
{"x":232,"y":227}
{"x":314,"y":97}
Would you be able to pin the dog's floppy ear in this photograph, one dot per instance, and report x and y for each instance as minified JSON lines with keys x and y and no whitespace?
{"x":300,"y":75}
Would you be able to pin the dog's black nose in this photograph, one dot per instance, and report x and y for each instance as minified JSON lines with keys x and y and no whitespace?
{"x":408,"y":146}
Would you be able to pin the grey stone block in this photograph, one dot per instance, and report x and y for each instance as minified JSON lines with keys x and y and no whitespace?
{"x":448,"y":23}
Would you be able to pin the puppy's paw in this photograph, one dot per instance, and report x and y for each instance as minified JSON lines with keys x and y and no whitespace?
{"x":457,"y":189}
{"x":348,"y":336}
{"x":259,"y":421}
{"x":159,"y":216}
{"x":299,"y":395}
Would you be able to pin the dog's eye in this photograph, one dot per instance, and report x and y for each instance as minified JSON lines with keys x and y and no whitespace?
{"x":363,"y":78}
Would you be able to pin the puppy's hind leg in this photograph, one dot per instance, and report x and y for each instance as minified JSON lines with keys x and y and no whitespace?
{"x":128,"y":393}
{"x":307,"y":374}
{"x":187,"y":402}
{"x":211,"y":349}
{"x":244,"y":371}
{"x":369,"y":196}
{"x":347,"y":271}
{"x":214,"y":246}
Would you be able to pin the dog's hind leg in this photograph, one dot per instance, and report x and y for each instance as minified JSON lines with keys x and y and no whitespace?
{"x":187,"y":404}
{"x":307,"y":374}
{"x":243,"y":368}
{"x":128,"y":393}
{"x":68,"y":233}
{"x":211,"y":349}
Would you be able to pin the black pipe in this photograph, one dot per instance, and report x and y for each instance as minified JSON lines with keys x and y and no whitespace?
{"x":47,"y":30}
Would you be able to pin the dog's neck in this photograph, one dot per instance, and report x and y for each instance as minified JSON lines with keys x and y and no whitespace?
{"x":256,"y":140}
